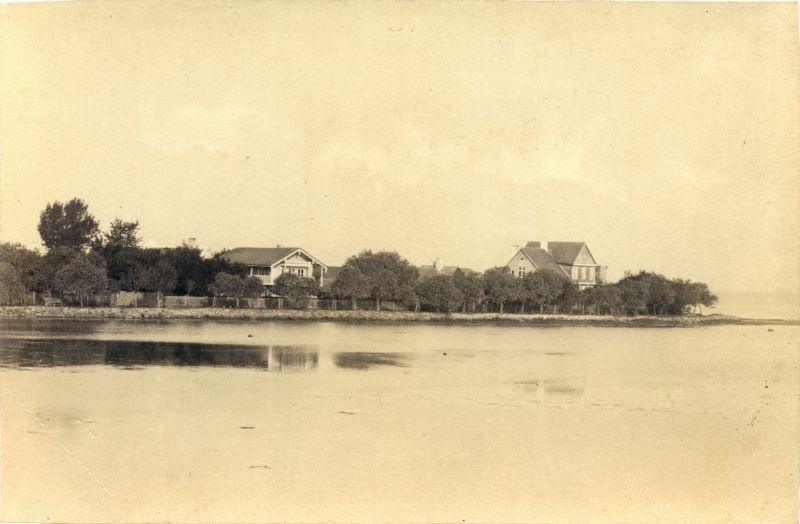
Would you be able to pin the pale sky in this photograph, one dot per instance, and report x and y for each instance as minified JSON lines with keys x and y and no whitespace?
{"x":666,"y":136}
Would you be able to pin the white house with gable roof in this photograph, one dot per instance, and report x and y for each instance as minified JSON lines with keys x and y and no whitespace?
{"x":268,"y":263}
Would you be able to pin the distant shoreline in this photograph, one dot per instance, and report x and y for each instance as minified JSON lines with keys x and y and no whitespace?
{"x":138,"y":314}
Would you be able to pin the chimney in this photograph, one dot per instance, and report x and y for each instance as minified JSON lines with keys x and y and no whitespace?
{"x":533,"y":244}
{"x":438,"y":264}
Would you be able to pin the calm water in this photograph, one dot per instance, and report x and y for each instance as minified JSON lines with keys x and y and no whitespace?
{"x":321,"y":422}
{"x":758,"y":305}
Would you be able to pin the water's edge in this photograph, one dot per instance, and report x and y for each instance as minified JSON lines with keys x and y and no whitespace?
{"x":381,"y":316}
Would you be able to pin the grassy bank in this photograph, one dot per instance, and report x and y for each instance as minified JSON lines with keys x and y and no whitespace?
{"x":376,"y":316}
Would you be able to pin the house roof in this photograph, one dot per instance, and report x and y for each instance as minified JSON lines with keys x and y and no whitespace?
{"x":542,"y":259}
{"x":264,"y":256}
{"x":431,"y":271}
{"x":427,"y":271}
{"x":565,"y":252}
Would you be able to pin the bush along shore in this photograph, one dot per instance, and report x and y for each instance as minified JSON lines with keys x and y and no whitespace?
{"x":138,"y":314}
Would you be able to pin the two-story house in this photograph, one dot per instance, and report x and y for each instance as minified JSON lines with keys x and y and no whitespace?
{"x":571,"y":259}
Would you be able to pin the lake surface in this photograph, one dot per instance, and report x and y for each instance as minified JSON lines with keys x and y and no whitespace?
{"x":324,"y":422}
{"x":758,"y":305}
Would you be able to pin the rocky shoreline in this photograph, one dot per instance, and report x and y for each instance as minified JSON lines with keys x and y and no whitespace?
{"x":138,"y":314}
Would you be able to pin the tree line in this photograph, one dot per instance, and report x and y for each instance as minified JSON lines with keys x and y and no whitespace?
{"x":385,"y":276}
{"x":82,"y":260}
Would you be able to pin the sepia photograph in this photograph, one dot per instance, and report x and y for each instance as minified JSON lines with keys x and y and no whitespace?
{"x":399,"y":262}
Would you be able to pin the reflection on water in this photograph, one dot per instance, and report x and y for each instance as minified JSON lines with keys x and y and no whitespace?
{"x":129,"y":354}
{"x":369,"y":360}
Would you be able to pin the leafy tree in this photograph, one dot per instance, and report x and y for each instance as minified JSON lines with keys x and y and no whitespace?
{"x":122,"y":234}
{"x":660,"y":291}
{"x":228,"y":285}
{"x":682,"y":297}
{"x":119,"y":247}
{"x":194,"y":272}
{"x":129,"y":267}
{"x":387,"y":275}
{"x":217,"y":264}
{"x":542,"y":288}
{"x":606,"y":299}
{"x":189,"y":265}
{"x":161,"y":278}
{"x":55,"y":259}
{"x":440,"y":294}
{"x":499,"y":285}
{"x":135,"y":279}
{"x":26,"y":262}
{"x":294,"y":287}
{"x":660,"y":296}
{"x":68,"y":225}
{"x":633,"y":294}
{"x":704,"y":296}
{"x":351,"y":283}
{"x":570,"y":296}
{"x":252,"y":287}
{"x":82,"y":276}
{"x":11,"y":288}
{"x":471,"y":287}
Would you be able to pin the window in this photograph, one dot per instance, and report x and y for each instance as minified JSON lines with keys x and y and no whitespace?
{"x":259,"y":270}
{"x":299,"y":271}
